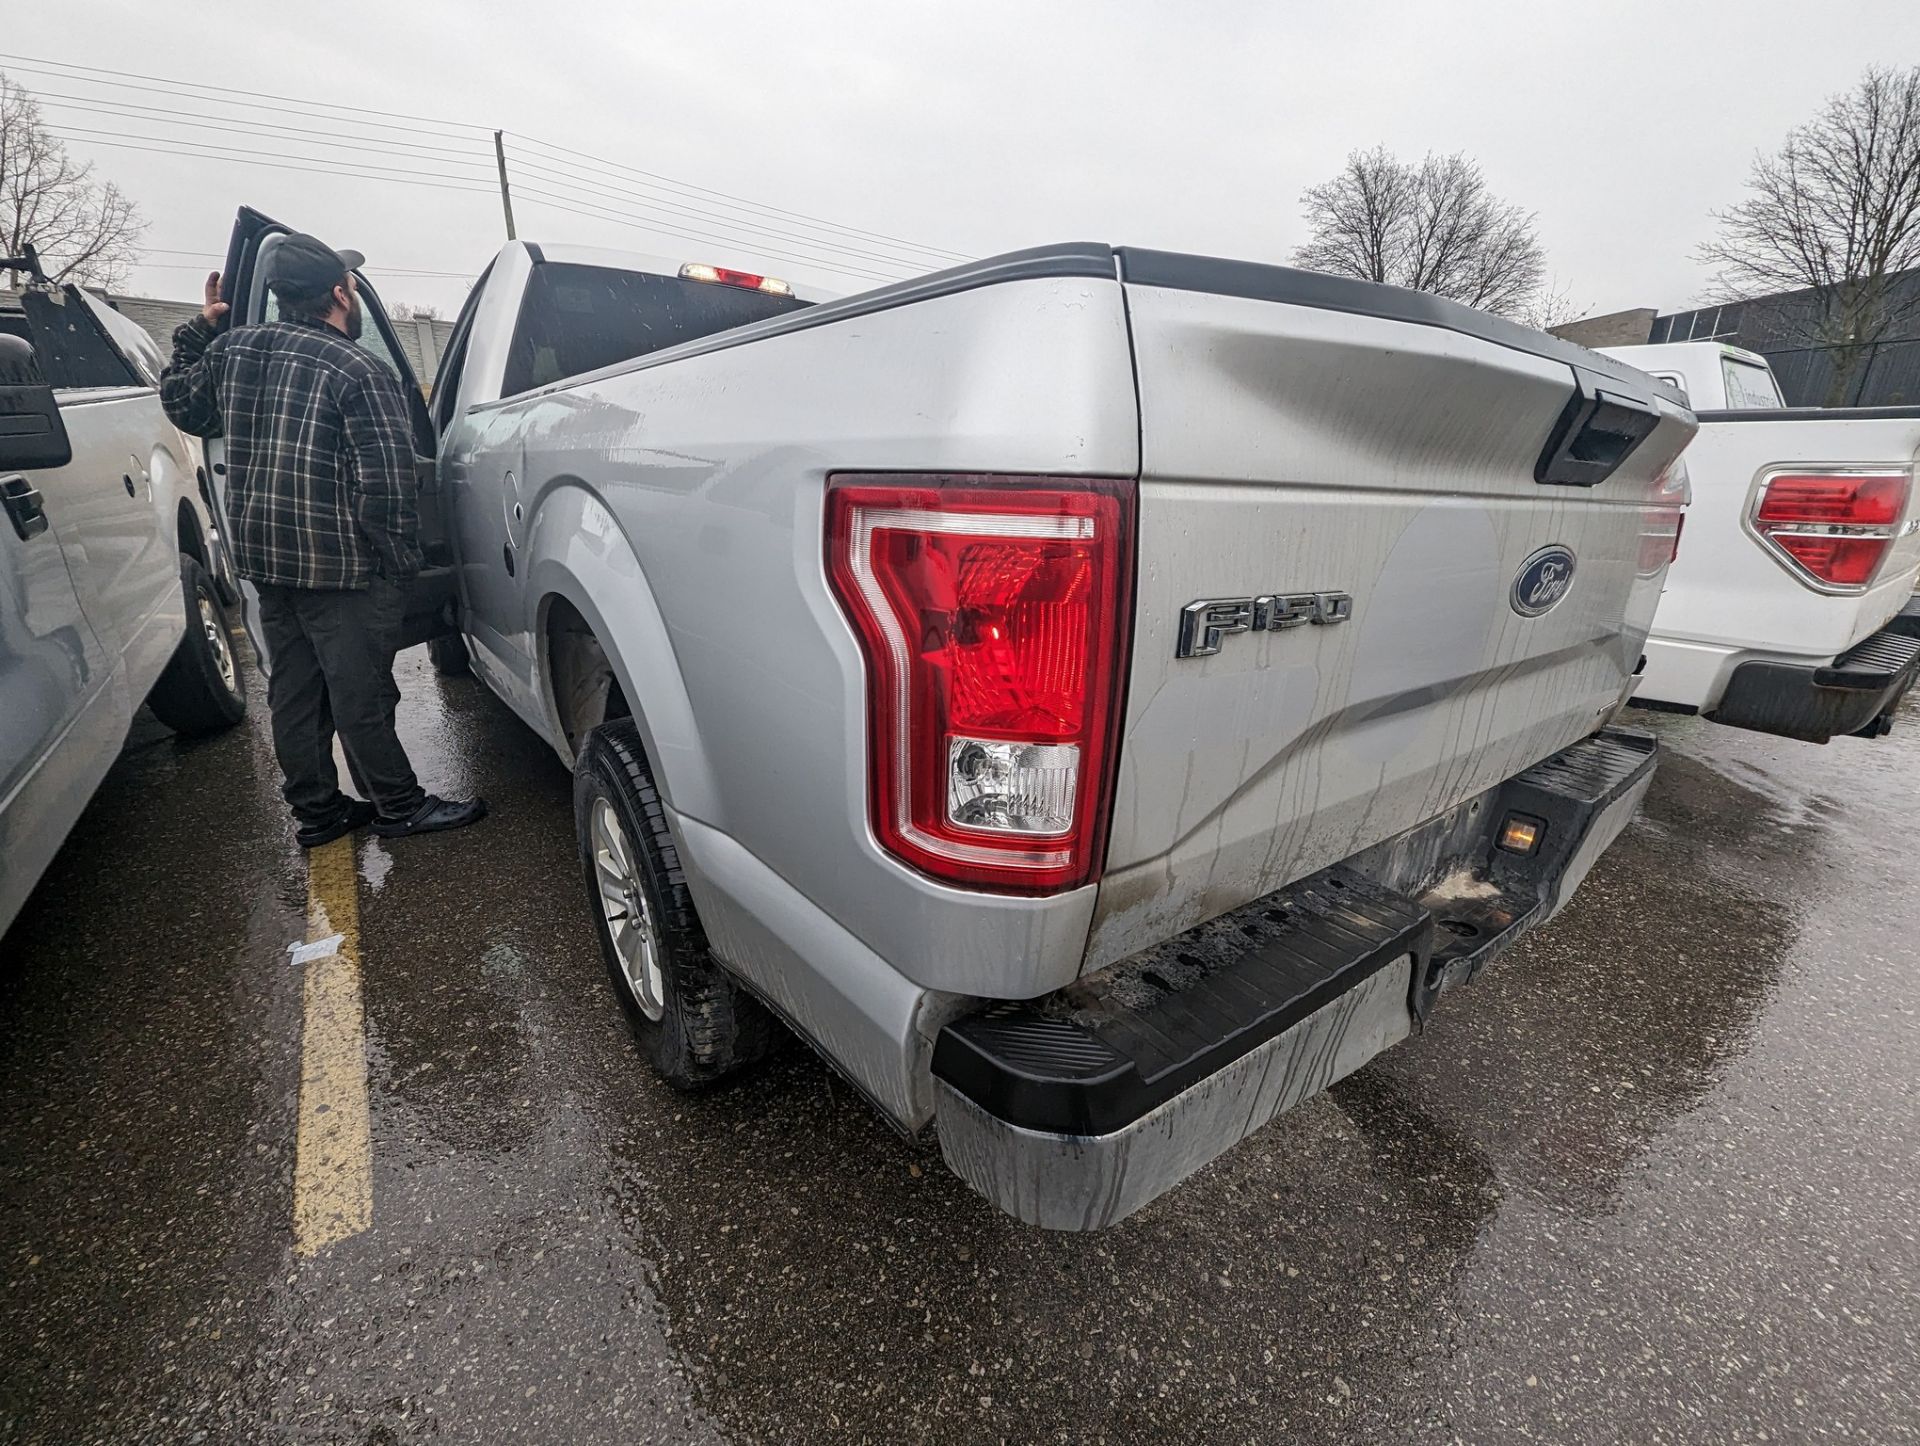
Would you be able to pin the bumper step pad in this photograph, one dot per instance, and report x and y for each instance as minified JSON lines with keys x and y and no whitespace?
{"x":1100,"y":1054}
{"x":1874,"y":663}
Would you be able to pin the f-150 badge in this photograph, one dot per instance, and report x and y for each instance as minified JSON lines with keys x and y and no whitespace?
{"x":1205,"y":621}
{"x":1544,"y":578}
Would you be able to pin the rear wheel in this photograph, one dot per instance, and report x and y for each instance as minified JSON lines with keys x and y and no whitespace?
{"x":202,"y":690}
{"x":693,"y":1021}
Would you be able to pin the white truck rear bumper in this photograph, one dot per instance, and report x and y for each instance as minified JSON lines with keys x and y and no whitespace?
{"x":1792,"y":695}
{"x":1691,"y":677}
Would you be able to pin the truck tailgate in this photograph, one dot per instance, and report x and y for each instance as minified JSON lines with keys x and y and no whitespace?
{"x":1303,"y":435}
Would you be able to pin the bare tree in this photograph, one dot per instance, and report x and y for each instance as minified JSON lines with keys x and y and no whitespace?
{"x":1835,"y":211}
{"x":1433,"y":227}
{"x":1551,"y":305}
{"x":86,"y":231}
{"x":410,"y":311}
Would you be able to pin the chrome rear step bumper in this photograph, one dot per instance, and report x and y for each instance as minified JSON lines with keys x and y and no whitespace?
{"x":1074,"y":1110}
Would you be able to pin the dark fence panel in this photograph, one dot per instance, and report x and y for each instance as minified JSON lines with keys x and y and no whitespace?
{"x":1778,"y":327}
{"x":1888,"y":377}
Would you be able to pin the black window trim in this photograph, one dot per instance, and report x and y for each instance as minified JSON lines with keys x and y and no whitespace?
{"x":454,"y":358}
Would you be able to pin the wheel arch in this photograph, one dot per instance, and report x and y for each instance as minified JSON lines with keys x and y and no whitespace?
{"x":580,"y":565}
{"x":192,"y":536}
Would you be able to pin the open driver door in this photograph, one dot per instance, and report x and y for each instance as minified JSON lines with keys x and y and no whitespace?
{"x":433,"y":600}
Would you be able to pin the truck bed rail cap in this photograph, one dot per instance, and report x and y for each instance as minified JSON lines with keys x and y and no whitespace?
{"x":1812,"y":414}
{"x":1072,"y":258}
{"x":1262,"y":281}
{"x":1076,"y":258}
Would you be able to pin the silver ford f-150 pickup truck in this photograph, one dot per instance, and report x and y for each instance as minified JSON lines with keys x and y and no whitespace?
{"x":1096,"y":697}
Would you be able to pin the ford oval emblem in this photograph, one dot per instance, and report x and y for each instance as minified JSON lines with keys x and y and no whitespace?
{"x":1542,"y":581}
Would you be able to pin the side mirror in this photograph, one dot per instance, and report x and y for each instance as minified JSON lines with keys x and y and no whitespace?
{"x":33,"y":435}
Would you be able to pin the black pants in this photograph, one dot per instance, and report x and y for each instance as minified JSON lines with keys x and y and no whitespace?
{"x":332,"y":660}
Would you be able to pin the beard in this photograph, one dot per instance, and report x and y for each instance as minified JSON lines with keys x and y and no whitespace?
{"x":356,"y":319}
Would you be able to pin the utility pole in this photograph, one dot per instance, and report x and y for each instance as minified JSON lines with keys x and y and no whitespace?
{"x":506,"y":198}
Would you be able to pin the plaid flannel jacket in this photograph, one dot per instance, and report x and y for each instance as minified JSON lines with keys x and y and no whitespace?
{"x":320,"y":483}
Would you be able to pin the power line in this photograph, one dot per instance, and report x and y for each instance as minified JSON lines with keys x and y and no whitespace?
{"x":238,"y":156}
{"x":129,"y":110}
{"x":175,"y":150}
{"x":567,"y":182}
{"x":86,"y":133}
{"x":258,"y":135}
{"x":646,"y":225}
{"x":229,"y":90}
{"x":207,"y":150}
{"x":216,"y":100}
{"x":464,"y":158}
{"x":687,"y":185}
{"x":409,"y":177}
{"x":575,"y":182}
{"x":560,"y":178}
{"x":371,"y":265}
{"x":639,"y":223}
{"x":317,"y":111}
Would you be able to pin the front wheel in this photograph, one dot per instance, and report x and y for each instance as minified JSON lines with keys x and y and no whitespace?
{"x":692,"y":1019}
{"x":202,"y":690}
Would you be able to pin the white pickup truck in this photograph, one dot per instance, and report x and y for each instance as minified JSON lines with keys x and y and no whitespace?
{"x":113,"y":581}
{"x":1096,"y":697}
{"x":1789,"y":609}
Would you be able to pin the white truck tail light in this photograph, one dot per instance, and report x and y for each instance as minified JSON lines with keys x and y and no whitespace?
{"x":726,"y":276}
{"x":1664,"y":517}
{"x":992,"y":613}
{"x":1830,"y":529}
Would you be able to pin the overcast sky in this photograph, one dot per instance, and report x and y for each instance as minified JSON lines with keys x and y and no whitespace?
{"x":975,"y":127}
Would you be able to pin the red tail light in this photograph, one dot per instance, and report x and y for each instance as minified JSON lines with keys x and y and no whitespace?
{"x":1832,"y":529}
{"x":992,"y":613}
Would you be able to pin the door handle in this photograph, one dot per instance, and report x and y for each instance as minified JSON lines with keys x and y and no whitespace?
{"x":26,"y":508}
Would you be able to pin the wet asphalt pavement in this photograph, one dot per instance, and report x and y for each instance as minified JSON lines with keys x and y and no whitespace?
{"x":1655,"y":1177}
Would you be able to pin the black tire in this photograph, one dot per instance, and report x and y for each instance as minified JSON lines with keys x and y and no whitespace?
{"x":709,"y":1025}
{"x":449,"y":656}
{"x":204,"y":689}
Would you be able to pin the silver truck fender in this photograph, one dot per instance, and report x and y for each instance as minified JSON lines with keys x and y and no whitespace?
{"x":576,"y":550}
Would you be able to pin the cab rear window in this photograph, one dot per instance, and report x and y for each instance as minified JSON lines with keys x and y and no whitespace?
{"x":1749,"y":387}
{"x":576,"y":319}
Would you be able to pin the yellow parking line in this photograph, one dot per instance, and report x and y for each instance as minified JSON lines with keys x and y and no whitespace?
{"x":333,"y":1156}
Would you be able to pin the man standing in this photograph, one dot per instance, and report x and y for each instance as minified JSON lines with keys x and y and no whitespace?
{"x":321,"y":517}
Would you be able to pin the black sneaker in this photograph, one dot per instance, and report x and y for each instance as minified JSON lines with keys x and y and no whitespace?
{"x":357,"y":814}
{"x":433,"y":816}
